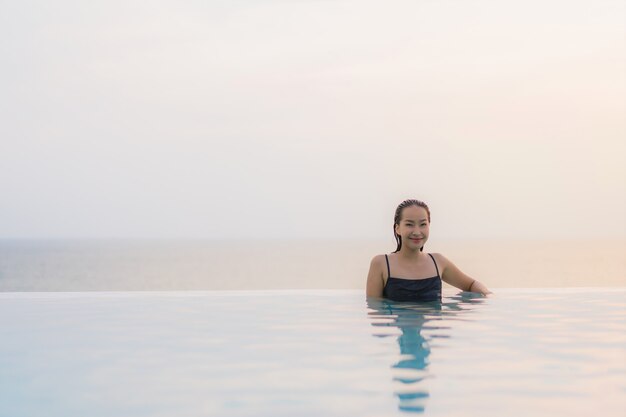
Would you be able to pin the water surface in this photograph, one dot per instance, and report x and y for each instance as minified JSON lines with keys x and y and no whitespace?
{"x":547,"y":352}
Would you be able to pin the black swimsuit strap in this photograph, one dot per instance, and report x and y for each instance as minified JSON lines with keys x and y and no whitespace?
{"x":388,"y":271}
{"x":431,"y":257}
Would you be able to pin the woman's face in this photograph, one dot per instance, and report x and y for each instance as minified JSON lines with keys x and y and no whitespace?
{"x":413,"y":227}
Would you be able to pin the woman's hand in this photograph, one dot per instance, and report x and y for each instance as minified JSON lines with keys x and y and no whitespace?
{"x":479,"y":287}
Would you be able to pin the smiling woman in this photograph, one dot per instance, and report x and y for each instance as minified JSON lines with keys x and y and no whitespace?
{"x":418,"y":276}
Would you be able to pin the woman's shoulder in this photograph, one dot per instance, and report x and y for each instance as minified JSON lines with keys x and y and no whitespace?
{"x":379,"y":262}
{"x":378,"y":259}
{"x":439,"y":258}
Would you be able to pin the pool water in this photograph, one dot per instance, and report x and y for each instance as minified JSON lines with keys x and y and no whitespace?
{"x":544,"y":352}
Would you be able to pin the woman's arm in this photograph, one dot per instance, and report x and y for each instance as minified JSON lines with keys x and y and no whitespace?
{"x":375,"y":278}
{"x":455,"y":277}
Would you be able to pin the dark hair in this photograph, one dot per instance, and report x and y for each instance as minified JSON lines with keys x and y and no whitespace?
{"x":397,"y":218}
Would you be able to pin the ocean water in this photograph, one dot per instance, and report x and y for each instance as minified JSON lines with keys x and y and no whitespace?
{"x":131,"y":265}
{"x":522,"y":352}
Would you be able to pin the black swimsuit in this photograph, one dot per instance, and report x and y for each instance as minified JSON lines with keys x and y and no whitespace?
{"x":400,"y":289}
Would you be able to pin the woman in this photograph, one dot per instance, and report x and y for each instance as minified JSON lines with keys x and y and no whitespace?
{"x":409,"y":274}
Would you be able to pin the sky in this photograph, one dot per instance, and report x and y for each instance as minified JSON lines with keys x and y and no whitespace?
{"x":312,"y":119}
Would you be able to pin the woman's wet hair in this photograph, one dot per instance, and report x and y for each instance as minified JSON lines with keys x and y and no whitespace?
{"x":398,"y":217}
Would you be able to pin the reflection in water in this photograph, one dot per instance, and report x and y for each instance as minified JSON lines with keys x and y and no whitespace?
{"x":411,"y":370}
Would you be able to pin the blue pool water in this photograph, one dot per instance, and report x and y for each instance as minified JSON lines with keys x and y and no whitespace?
{"x":545,"y":352}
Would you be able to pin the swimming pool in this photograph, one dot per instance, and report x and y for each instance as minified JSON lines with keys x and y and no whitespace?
{"x":545,"y":352}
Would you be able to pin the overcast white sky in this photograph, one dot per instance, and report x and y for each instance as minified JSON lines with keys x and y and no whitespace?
{"x":312,"y":118}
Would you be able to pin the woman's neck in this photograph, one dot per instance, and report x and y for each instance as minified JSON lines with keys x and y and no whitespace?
{"x":410,"y":254}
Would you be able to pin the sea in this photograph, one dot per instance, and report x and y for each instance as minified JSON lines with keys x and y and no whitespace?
{"x":153,"y":265}
{"x":166,"y":328}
